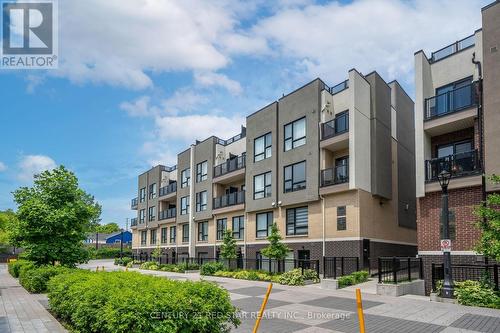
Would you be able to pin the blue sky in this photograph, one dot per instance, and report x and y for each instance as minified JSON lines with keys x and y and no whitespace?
{"x":139,"y":81}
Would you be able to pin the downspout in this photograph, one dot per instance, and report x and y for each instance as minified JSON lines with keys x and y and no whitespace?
{"x":215,"y":234}
{"x":323,"y":225}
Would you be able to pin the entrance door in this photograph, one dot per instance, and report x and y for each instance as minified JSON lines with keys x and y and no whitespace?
{"x":304,"y":256}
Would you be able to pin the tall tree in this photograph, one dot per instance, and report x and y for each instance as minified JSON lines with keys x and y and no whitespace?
{"x":107,"y":228}
{"x":7,"y":218}
{"x":53,"y":218}
{"x":228,"y":246}
{"x":276,"y":249}
{"x":489,"y":224}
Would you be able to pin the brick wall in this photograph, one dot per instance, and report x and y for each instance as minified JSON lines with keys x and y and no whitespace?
{"x":465,"y":134}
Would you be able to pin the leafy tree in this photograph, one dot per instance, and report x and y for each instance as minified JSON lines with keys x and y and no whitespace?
{"x":7,"y":218}
{"x":489,"y":224}
{"x":276,"y":249}
{"x":53,"y":218}
{"x":156,"y":253}
{"x":107,"y":228}
{"x":228,"y":247}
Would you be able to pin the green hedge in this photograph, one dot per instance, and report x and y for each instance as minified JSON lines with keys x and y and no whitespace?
{"x":15,"y":266}
{"x":177,"y":268}
{"x":34,"y":279}
{"x":352,"y":279}
{"x":123,"y":261}
{"x":131,"y":302}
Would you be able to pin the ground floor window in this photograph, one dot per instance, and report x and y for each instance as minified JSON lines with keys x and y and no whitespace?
{"x":341,"y":218}
{"x":296,"y":221}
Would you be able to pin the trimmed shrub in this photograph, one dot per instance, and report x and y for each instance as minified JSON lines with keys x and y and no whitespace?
{"x":15,"y":267}
{"x":123,"y":261}
{"x":211,"y":267}
{"x":34,"y":279}
{"x":296,"y":278}
{"x":352,"y":279}
{"x":474,"y":293}
{"x":131,"y":302}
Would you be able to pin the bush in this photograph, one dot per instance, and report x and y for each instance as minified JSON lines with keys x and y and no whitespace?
{"x":474,"y":293}
{"x":34,"y":279}
{"x":123,"y":261}
{"x":130,"y":302}
{"x":352,"y":279}
{"x":15,"y":266}
{"x":211,"y":267}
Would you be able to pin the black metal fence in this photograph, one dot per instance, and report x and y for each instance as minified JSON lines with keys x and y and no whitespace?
{"x":399,"y":269}
{"x":334,"y":267}
{"x":485,"y":273}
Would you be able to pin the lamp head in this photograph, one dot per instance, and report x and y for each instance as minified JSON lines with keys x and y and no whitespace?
{"x":444,"y":178}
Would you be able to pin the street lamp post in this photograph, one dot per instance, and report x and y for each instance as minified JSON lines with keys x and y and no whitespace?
{"x":444,"y":180}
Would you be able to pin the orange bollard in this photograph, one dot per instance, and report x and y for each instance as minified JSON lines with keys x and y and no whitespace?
{"x":262,"y":308}
{"x":361,"y":316}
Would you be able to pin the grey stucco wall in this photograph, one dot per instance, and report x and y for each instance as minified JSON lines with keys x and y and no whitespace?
{"x":204,"y":151}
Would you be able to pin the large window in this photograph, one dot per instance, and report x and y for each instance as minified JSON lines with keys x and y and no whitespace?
{"x":185,"y":205}
{"x":152,"y":213}
{"x":185,"y":233}
{"x":142,"y":194}
{"x":152,"y":239}
{"x":341,"y":218}
{"x":262,"y":185}
{"x":144,"y":235}
{"x":221,"y":228}
{"x":142,"y":216}
{"x":264,"y":223}
{"x":238,"y":227}
{"x":201,"y":171}
{"x":185,"y":177}
{"x":295,"y":134}
{"x":173,"y":235}
{"x":295,"y":177}
{"x":164,"y":235}
{"x":152,"y":191}
{"x":201,"y":201}
{"x":203,"y":231}
{"x":296,"y":221}
{"x":262,"y":147}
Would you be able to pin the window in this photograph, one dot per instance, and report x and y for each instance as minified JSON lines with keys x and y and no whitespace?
{"x":262,"y":147}
{"x":238,"y":227}
{"x":152,"y":239}
{"x":201,"y":201}
{"x":221,"y":228}
{"x":142,"y":194}
{"x":185,"y":205}
{"x":201,"y":171}
{"x":185,"y":233}
{"x":185,"y":177}
{"x":142,"y":216}
{"x":173,"y":235}
{"x":341,"y":218}
{"x":342,"y":169}
{"x":152,"y":191}
{"x":295,"y":134}
{"x":164,"y":235}
{"x":203,"y":231}
{"x":264,"y":223}
{"x":144,"y":235}
{"x":295,"y":177}
{"x":262,"y":185}
{"x":296,"y":221}
{"x":152,"y":213}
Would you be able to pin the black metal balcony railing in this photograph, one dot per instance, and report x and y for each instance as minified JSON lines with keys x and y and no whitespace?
{"x":168,"y":213}
{"x":230,"y":165}
{"x":133,"y":222}
{"x":451,"y":101}
{"x":336,"y":126}
{"x":170,"y":188}
{"x":453,"y":48}
{"x":335,"y":175}
{"x":462,"y":164}
{"x":230,"y":199}
{"x":134,"y":203}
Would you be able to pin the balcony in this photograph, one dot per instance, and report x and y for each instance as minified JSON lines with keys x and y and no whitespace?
{"x":335,"y":176}
{"x":134,"y":203}
{"x":133,"y":222}
{"x":168,"y":214}
{"x":453,"y":48}
{"x":229,"y":200}
{"x":231,"y":170}
{"x":460,"y":165}
{"x":336,"y":126}
{"x":170,"y":188}
{"x":337,"y":88}
{"x":449,"y":102}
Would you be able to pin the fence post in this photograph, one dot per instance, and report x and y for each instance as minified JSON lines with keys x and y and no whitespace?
{"x":409,"y":269}
{"x":421,"y":269}
{"x":324,"y":266}
{"x":394,"y":272}
{"x":379,"y":270}
{"x":317,"y":268}
{"x":334,"y":268}
{"x":495,"y":275}
{"x":433,"y":283}
{"x":342,"y":266}
{"x":357,"y":263}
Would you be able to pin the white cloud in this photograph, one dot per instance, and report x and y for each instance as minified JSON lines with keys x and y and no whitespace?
{"x":3,"y":167}
{"x":215,"y":79}
{"x":30,"y":165}
{"x":183,"y":100}
{"x":138,"y":107}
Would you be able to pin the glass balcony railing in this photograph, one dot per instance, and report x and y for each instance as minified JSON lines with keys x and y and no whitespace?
{"x":336,"y":126}
{"x":168,"y":213}
{"x":338,"y":88}
{"x":230,"y":165}
{"x":133,"y":222}
{"x":230,"y":199}
{"x":335,"y":175}
{"x":459,"y":165}
{"x":134,"y":203}
{"x":451,"y":101}
{"x":453,"y":48}
{"x":170,"y":188}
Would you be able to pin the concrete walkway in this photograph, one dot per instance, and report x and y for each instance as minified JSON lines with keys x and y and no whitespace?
{"x":21,"y":311}
{"x":312,"y":309}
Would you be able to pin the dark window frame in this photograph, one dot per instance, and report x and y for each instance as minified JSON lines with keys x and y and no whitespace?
{"x":164,"y":235}
{"x":200,"y":206}
{"x":221,"y":227}
{"x":200,"y":176}
{"x":144,"y":237}
{"x":264,"y":191}
{"x":186,"y":177}
{"x":153,"y":233}
{"x":291,"y":181}
{"x":267,"y":147}
{"x":173,"y":234}
{"x":185,"y":233}
{"x":152,"y":213}
{"x":292,"y":137}
{"x":341,"y":218}
{"x":269,"y":218}
{"x":293,"y":223}
{"x":241,"y":227}
{"x":203,"y":231}
{"x":142,"y":194}
{"x":152,"y":191}
{"x":185,"y":210}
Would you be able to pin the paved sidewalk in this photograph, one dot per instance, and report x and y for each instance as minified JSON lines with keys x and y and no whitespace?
{"x":311,"y":309}
{"x":21,"y":311}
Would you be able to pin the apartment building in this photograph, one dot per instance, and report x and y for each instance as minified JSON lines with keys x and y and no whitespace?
{"x":457,"y":117}
{"x":332,"y":166}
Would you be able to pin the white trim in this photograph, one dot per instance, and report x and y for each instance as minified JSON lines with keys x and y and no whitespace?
{"x":337,"y":239}
{"x":458,"y":253}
